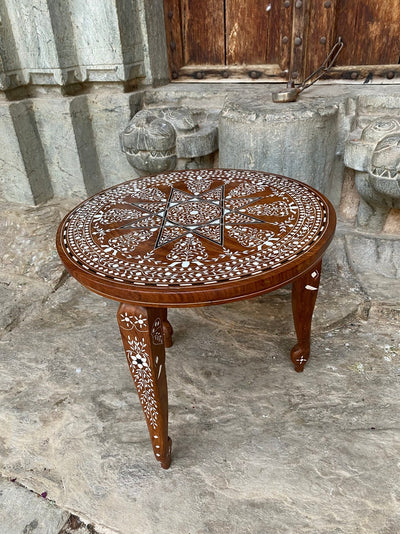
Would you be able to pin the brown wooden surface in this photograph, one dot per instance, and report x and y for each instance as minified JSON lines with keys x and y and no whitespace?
{"x":142,"y":337}
{"x":230,"y":34}
{"x":320,"y":34}
{"x":304,"y":296}
{"x":246,"y":32}
{"x":359,"y":72}
{"x":185,"y":294}
{"x":280,"y":20}
{"x":173,"y":34}
{"x":203,"y":31}
{"x":167,"y":328}
{"x":301,"y":13}
{"x":370,"y":30}
{"x":249,"y":73}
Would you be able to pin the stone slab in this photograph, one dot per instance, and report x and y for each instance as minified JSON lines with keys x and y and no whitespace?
{"x":257,"y":448}
{"x":29,"y":264}
{"x":24,"y":512}
{"x":109,"y":115}
{"x":55,"y":127}
{"x":374,"y":253}
{"x":14,"y":181}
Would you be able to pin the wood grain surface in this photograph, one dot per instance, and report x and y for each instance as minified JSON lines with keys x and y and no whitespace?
{"x":284,"y":38}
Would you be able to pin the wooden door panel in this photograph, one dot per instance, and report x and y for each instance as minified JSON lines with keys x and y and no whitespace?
{"x":320,"y":33}
{"x":173,"y":33}
{"x":203,"y":24}
{"x":258,"y":33}
{"x":279,"y":31}
{"x":370,"y":31}
{"x":246,"y":32}
{"x":301,"y":11}
{"x":279,"y":39}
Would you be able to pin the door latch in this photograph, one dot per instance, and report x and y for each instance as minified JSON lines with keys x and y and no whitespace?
{"x":291,"y":92}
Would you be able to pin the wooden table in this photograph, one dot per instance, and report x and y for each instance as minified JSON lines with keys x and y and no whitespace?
{"x":195,"y":238}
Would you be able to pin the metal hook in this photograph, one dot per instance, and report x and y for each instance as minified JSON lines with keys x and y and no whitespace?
{"x":291,"y":93}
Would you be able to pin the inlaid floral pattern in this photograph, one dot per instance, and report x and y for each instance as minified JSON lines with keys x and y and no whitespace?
{"x":139,"y":364}
{"x":195,"y":228}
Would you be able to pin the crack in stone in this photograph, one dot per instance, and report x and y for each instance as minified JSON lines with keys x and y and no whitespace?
{"x":61,"y":281}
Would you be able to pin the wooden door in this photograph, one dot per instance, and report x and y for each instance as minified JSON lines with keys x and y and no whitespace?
{"x":276,"y":40}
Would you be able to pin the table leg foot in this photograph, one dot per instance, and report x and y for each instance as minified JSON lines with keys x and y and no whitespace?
{"x":166,"y":461}
{"x":304,"y":296}
{"x":167,"y":328}
{"x":143,"y":339}
{"x":299,"y":356}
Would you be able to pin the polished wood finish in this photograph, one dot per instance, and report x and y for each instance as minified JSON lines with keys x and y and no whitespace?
{"x":195,"y":238}
{"x":304,"y":296}
{"x":167,"y":328}
{"x":241,"y":244}
{"x":143,"y":339}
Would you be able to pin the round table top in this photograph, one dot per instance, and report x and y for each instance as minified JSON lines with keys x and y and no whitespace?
{"x":197,"y":237}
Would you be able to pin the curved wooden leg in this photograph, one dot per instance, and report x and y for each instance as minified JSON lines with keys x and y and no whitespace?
{"x":304,"y":295}
{"x":167,"y":328}
{"x":142,"y":335}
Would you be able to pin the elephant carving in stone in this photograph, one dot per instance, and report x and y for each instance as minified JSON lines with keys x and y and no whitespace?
{"x":376,"y":158}
{"x":156,"y":138}
{"x":149,"y":142}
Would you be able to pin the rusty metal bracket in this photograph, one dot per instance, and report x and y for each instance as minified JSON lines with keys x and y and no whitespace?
{"x":291,"y":92}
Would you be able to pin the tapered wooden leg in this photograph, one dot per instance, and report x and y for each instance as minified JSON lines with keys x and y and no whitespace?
{"x":167,"y":328}
{"x":143,"y":338}
{"x":304,"y":295}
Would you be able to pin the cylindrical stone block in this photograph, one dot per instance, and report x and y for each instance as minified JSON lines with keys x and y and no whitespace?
{"x":296,"y":139}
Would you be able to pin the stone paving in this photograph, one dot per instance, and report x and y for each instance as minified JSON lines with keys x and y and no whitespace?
{"x":257,"y":448}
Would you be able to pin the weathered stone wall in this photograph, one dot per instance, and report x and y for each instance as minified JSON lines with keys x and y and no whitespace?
{"x":60,"y":42}
{"x":63,"y":146}
{"x":65,"y":67}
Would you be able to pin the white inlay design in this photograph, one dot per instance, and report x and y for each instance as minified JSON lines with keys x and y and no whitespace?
{"x":157,"y":335}
{"x":194,"y":228}
{"x":140,"y":367}
{"x":199,"y":182}
{"x":311,"y":288}
{"x":187,"y":251}
{"x":140,"y":323}
{"x":274,"y":209}
{"x":126,"y":321}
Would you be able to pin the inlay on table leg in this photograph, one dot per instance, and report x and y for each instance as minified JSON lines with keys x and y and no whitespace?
{"x":143,"y":339}
{"x":304,"y":295}
{"x":167,"y":328}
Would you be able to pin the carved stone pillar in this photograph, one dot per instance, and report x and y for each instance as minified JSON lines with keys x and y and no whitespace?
{"x":60,"y":42}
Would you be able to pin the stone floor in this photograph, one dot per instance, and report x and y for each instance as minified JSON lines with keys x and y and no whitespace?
{"x":257,"y":448}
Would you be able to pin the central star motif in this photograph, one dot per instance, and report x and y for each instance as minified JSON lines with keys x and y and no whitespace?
{"x":202,"y":214}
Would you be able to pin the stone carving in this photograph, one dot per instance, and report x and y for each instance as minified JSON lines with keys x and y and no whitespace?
{"x":149,"y":143}
{"x":375,"y":156}
{"x":155,"y":138}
